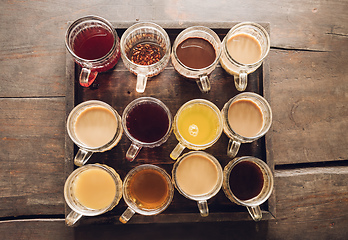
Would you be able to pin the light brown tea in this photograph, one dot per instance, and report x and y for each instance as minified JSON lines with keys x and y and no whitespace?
{"x":197,"y":175}
{"x":245,"y":118}
{"x":96,"y":126}
{"x":244,"y":48}
{"x":148,"y":189}
{"x":95,"y":188}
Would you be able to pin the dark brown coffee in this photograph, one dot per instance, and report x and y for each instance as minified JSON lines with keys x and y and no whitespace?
{"x":246,"y":180}
{"x":196,"y":53}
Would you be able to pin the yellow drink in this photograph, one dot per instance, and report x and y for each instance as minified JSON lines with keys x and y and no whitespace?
{"x":198,"y":124}
{"x":95,"y":188}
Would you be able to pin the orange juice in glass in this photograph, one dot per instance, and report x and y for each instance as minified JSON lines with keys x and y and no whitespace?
{"x":197,"y":126}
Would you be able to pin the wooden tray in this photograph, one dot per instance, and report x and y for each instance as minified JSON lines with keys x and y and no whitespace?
{"x":117,"y":88}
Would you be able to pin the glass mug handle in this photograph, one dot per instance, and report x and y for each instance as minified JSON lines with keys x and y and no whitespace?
{"x":72,"y":218}
{"x":203,"y":208}
{"x":141,"y":83}
{"x":203,"y":83}
{"x":132,"y":152}
{"x":232,"y":148}
{"x":241,"y":81}
{"x":255,"y":213}
{"x":126,"y":215}
{"x":87,"y":77}
{"x":82,"y":157}
{"x":177,"y":151}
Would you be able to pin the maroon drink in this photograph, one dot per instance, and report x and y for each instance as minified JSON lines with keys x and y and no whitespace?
{"x":94,"y":44}
{"x":246,"y":180}
{"x":147,"y":122}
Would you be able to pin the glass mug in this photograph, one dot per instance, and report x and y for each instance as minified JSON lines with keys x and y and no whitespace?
{"x":248,"y":181}
{"x":198,"y":176}
{"x":246,"y":118}
{"x":94,"y":126}
{"x":145,"y":51}
{"x":195,"y":54}
{"x":147,"y":190}
{"x":197,"y":125}
{"x":244,"y":48}
{"x":147,"y":122}
{"x":94,"y":44}
{"x":91,"y":190}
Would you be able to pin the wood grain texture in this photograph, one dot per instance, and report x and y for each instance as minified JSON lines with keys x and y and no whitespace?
{"x":309,"y":101}
{"x":32,"y":156}
{"x":32,"y":43}
{"x":311,"y":202}
{"x":308,"y":85}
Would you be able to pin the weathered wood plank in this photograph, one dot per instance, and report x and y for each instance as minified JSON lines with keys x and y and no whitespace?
{"x":308,"y":95}
{"x":34,"y":65}
{"x":35,"y":229}
{"x":311,"y":203}
{"x":32,"y":156}
{"x":309,"y":194}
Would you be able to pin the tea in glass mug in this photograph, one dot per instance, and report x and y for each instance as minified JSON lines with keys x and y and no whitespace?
{"x":91,"y":190}
{"x":147,"y":190}
{"x":244,"y":48}
{"x":246,"y":118}
{"x":248,"y":181}
{"x":94,"y":44}
{"x":94,"y":126}
{"x":197,"y":175}
{"x":147,"y":122}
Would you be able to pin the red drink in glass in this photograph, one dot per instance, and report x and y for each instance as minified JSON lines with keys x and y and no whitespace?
{"x":94,"y":44}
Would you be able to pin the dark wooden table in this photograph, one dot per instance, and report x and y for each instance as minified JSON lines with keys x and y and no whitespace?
{"x":306,"y":87}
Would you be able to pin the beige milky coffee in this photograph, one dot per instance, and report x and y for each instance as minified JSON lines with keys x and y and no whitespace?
{"x":245,"y":118}
{"x":244,"y":48}
{"x":197,"y":175}
{"x":96,"y":126}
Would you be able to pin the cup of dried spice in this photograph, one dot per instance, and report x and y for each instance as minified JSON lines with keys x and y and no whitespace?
{"x":145,"y":51}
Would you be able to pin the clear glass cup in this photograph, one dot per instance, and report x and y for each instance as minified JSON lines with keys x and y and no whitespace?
{"x":85,"y":149}
{"x":92,"y":59}
{"x":145,"y":33}
{"x":147,"y":122}
{"x":79,"y":209}
{"x":200,"y":133}
{"x":237,"y":139}
{"x":253,"y":204}
{"x":200,"y":75}
{"x":188,"y":171}
{"x":147,"y":190}
{"x":239,"y":69}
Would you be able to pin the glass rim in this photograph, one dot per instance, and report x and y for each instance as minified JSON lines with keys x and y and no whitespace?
{"x":253,"y":201}
{"x":230,"y":132}
{"x":140,"y":25}
{"x":88,"y":211}
{"x":131,"y":204}
{"x":205,"y":196}
{"x":91,"y":18}
{"x":198,"y":29}
{"x":139,"y":101}
{"x":78,"y":109}
{"x":186,"y":143}
{"x":254,"y":25}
